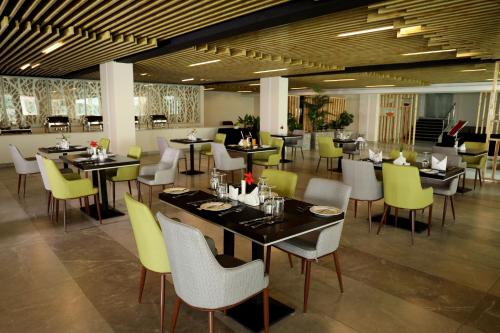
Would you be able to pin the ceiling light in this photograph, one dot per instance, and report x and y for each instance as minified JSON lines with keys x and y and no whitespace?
{"x":366,"y":31}
{"x":298,"y":88}
{"x":492,"y":79}
{"x":204,"y":63}
{"x":381,"y":86}
{"x":23,"y":67}
{"x":409,"y":30}
{"x":244,"y":91}
{"x":271,"y":70}
{"x":428,"y":52}
{"x":143,"y":74}
{"x":186,"y":80}
{"x":254,"y":84}
{"x":35,"y":65}
{"x":209,"y":88}
{"x":461,"y":54}
{"x":339,"y":80}
{"x":53,"y":47}
{"x":473,"y":70}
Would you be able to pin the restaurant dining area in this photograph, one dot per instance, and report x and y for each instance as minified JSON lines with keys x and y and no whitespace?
{"x":250,"y":166}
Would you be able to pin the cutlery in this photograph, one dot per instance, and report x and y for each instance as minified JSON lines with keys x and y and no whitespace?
{"x":188,"y":194}
{"x":195,"y":203}
{"x":271,"y":221}
{"x":248,"y":222}
{"x":232,"y":210}
{"x":303,"y":209}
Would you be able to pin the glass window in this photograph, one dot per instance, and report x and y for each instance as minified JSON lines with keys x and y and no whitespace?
{"x":80,"y":107}
{"x":58,"y":107}
{"x":10,"y":109}
{"x":93,"y":106}
{"x":139,"y":105}
{"x":28,"y":105}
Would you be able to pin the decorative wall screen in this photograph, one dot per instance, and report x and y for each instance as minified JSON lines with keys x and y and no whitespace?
{"x":398,"y":117}
{"x":180,"y":104}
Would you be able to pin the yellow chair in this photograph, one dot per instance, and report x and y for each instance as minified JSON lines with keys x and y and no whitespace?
{"x":126,"y":174}
{"x":328,"y":150}
{"x":283,"y":182}
{"x":411,"y":156}
{"x":264,"y":138}
{"x":476,"y":162}
{"x":206,"y":149}
{"x":403,"y":190}
{"x":104,"y":143}
{"x":270,"y":159}
{"x":64,"y":189}
{"x":150,"y":247}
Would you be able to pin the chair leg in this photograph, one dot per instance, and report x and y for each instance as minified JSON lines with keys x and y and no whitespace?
{"x":19,"y":183}
{"x":162,"y":301}
{"x":413,"y":214}
{"x":429,"y":221}
{"x":396,"y":211}
{"x":114,"y":193}
{"x":64,"y":215}
{"x":384,"y":217}
{"x":98,"y":206}
{"x":475,"y":179}
{"x":355,"y":208}
{"x":337,"y":269}
{"x":290,"y":260}
{"x":444,"y":210}
{"x":185,"y":164}
{"x":141,"y":283}
{"x":57,"y":211}
{"x":208,"y":162}
{"x":175,"y":314}
{"x":211,"y":322}
{"x":319,"y":161}
{"x":307,"y":282}
{"x":139,"y":196}
{"x":199,"y":161}
{"x":87,"y":209}
{"x":265,"y":301}
{"x":302,"y":152}
{"x":452,"y":207}
{"x":370,"y":216}
{"x":26,"y":176}
{"x":478,"y":172}
{"x":302,"y":262}
{"x":268,"y":259}
{"x":129,"y":187}
{"x":49,"y":202}
{"x":150,"y":196}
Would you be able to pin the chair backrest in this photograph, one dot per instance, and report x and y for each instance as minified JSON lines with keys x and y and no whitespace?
{"x":198,"y":278}
{"x":285,"y":182}
{"x":448,"y":151}
{"x":349,"y":147}
{"x":469,"y":145}
{"x":43,"y":172}
{"x":148,"y":237}
{"x":298,"y":141}
{"x":21,"y":165}
{"x":220,"y":138}
{"x":264,"y":138}
{"x":360,"y":175}
{"x":104,"y":143}
{"x":328,"y":192}
{"x":402,"y":187}
{"x":162,"y":144}
{"x":325,"y":145}
{"x":278,"y":144}
{"x":411,"y":156}
{"x":169,"y":158}
{"x":220,"y":154}
{"x":58,"y":184}
{"x":130,"y":172}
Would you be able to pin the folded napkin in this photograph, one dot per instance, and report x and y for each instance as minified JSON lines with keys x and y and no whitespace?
{"x":438,"y":164}
{"x":241,"y":142}
{"x":360,"y":139}
{"x":191,"y":137}
{"x":233,"y":192}
{"x":251,"y":199}
{"x":401,"y":160}
{"x":462,"y":147}
{"x":375,"y":157}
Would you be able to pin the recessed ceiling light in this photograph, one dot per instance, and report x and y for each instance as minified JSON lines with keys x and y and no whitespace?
{"x":204,"y":63}
{"x":409,"y":30}
{"x":298,"y":88}
{"x":271,"y":70}
{"x":366,"y":31}
{"x":381,"y":86}
{"x":209,"y":88}
{"x":462,"y":54}
{"x":35,"y":65}
{"x":428,"y":52}
{"x":339,"y":80}
{"x":186,"y":80}
{"x":492,"y":79}
{"x":53,"y":47}
{"x":473,"y":70}
{"x":244,"y":91}
{"x":23,"y":67}
{"x":254,"y":84}
{"x":143,"y":74}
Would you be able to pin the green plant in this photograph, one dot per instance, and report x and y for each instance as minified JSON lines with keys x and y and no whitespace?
{"x":316,"y":114}
{"x":249,"y":121}
{"x":293,"y":123}
{"x":344,"y":120}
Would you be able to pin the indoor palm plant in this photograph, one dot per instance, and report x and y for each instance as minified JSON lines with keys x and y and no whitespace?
{"x":316,"y":113}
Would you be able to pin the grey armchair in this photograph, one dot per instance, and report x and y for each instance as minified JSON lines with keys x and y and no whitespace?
{"x":23,"y":166}
{"x":160,"y":174}
{"x":296,"y":144}
{"x":223,"y":161}
{"x":163,"y":144}
{"x":201,"y":282}
{"x":317,"y":244}
{"x":361,"y":177}
{"x":351,"y":149}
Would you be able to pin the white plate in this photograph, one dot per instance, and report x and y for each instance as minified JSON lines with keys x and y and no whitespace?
{"x":81,"y":159}
{"x":215,"y":206}
{"x":176,"y":190}
{"x":325,"y":210}
{"x":79,"y":147}
{"x":430,"y":171}
{"x":265,"y":146}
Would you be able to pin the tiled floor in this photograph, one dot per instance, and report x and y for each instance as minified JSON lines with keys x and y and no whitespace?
{"x":86,"y":280}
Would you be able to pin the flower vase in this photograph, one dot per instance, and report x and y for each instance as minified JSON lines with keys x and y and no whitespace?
{"x":94,"y":153}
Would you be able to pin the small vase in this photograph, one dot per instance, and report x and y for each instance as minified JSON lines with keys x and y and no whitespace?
{"x":94,"y":153}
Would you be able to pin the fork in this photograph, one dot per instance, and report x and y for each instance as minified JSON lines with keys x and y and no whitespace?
{"x":269,"y":222}
{"x":303,"y":209}
{"x":233,"y":210}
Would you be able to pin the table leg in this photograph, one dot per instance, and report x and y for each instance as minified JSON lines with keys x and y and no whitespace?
{"x":192,"y":171}
{"x":257,"y":251}
{"x":249,"y":163}
{"x":228,"y":243}
{"x":283,"y":153}
{"x":99,"y":181}
{"x":65,"y":164}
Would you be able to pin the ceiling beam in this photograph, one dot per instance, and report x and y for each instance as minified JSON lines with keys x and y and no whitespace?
{"x":285,"y":13}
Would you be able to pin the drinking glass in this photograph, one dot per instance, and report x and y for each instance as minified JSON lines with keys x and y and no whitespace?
{"x":214,"y":179}
{"x":222,"y":192}
{"x":264,"y":193}
{"x":268,"y":207}
{"x":278,"y":207}
{"x":425,"y":160}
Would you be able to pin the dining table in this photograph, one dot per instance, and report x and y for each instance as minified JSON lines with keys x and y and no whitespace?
{"x":63,"y":151}
{"x":249,"y":152}
{"x":285,"y":137}
{"x":240,"y":220}
{"x":99,"y":168}
{"x":191,"y":143}
{"x":341,"y":142}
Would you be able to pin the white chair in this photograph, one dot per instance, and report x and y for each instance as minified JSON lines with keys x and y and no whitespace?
{"x":296,"y":144}
{"x":351,"y":149}
{"x":23,"y":166}
{"x":360,"y":175}
{"x":225,"y":162}
{"x":163,"y":144}
{"x":160,"y":174}
{"x":199,"y":279}
{"x":314,"y":245}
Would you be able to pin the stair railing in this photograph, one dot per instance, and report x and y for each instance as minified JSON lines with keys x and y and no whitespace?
{"x":450,"y":121}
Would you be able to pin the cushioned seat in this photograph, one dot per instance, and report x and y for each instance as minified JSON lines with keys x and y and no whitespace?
{"x":327,"y":150}
{"x":269,"y":159}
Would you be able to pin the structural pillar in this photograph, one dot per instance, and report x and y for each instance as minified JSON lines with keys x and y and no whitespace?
{"x":369,"y":112}
{"x":274,"y":105}
{"x":117,"y":95}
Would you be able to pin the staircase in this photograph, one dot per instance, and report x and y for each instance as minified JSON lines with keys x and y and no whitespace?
{"x":429,"y":129}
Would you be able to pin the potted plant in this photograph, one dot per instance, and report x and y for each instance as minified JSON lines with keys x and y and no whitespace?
{"x":293,"y":123}
{"x":250,"y":122}
{"x":316,"y":114}
{"x":344,"y":120}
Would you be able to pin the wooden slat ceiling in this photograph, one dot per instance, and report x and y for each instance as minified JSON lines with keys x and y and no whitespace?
{"x":96,"y":31}
{"x":470,"y":27}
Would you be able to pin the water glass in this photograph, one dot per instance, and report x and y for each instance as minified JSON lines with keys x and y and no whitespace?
{"x":264,"y":193}
{"x":214,"y":180}
{"x":222,"y":192}
{"x":278,"y":207}
{"x":425,"y":160}
{"x":268,"y":207}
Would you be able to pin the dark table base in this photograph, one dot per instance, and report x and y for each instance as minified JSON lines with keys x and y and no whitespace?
{"x":250,"y":313}
{"x":192,"y":172}
{"x":105,"y":214}
{"x":286,"y":161}
{"x":463,"y":189}
{"x":403,"y":222}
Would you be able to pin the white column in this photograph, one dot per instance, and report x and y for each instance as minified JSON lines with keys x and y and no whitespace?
{"x":117,"y":94}
{"x":369,"y":111}
{"x":274,"y":105}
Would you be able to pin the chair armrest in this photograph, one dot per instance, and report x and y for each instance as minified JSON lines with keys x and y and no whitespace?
{"x":166,"y":176}
{"x":148,"y":170}
{"x":244,"y":281}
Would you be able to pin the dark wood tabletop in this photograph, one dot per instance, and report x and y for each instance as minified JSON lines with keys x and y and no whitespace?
{"x":294,"y":223}
{"x":250,"y":150}
{"x":451,"y":172}
{"x":286,"y":136}
{"x":336,"y":140}
{"x":58,"y":150}
{"x":188,"y":142}
{"x":84,"y":162}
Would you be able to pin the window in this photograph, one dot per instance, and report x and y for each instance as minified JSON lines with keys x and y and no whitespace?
{"x":28,"y":105}
{"x":93,"y":106}
{"x":58,"y":107}
{"x":140,"y":105}
{"x":10,"y":109}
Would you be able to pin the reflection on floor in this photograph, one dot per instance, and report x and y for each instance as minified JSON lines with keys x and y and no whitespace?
{"x":86,"y":280}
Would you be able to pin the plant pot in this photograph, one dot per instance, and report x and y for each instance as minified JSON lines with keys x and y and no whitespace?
{"x":313,"y":141}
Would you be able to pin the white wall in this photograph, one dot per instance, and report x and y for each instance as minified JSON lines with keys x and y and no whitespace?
{"x":221,"y":105}
{"x":466,"y":107}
